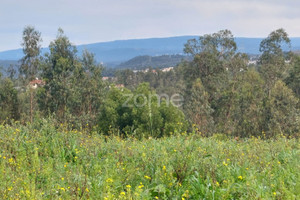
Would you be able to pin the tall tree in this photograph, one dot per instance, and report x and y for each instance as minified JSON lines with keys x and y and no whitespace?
{"x":221,"y":43}
{"x":284,"y":116}
{"x":198,"y":108}
{"x":57,"y":72}
{"x":215,"y":62}
{"x":31,"y":48}
{"x":293,"y":79}
{"x":272,"y":62}
{"x":239,"y":110}
{"x":86,"y":91}
{"x":31,"y":61}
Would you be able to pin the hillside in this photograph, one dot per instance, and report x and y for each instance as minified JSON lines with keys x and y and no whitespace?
{"x":141,"y":62}
{"x":115,"y":52}
{"x":4,"y":65}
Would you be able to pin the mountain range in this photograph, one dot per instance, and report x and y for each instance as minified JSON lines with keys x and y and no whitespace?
{"x":116,"y":52}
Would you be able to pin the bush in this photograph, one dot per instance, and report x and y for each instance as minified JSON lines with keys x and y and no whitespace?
{"x":139,"y":113}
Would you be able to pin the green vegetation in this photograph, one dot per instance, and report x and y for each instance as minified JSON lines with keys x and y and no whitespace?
{"x":140,"y":113}
{"x":65,"y":133}
{"x":221,"y":91}
{"x":41,"y":161}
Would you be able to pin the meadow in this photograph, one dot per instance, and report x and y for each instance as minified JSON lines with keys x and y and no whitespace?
{"x":44,"y":161}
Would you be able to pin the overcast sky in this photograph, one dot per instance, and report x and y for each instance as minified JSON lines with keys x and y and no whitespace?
{"x":90,"y":21}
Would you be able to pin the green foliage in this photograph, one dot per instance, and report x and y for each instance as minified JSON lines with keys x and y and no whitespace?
{"x":272,"y":62}
{"x":198,"y":108}
{"x":40,"y":161}
{"x":57,"y":72}
{"x":271,"y":46}
{"x":293,"y":79}
{"x":220,"y":44}
{"x":284,"y":114}
{"x":73,"y":89}
{"x":141,"y":113}
{"x":9,"y":103}
{"x":240,"y":107}
{"x":222,"y":92}
{"x":31,"y":48}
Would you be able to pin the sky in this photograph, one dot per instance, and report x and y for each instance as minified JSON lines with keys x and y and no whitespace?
{"x":91,"y":21}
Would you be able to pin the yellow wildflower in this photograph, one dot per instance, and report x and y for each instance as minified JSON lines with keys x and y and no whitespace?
{"x":141,"y":185}
{"x":109,"y":180}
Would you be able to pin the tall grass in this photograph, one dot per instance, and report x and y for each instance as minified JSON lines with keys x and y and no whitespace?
{"x":48,"y":162}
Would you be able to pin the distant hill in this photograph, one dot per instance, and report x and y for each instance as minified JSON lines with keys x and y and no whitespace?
{"x":115,"y":52}
{"x":142,"y":62}
{"x":4,"y":65}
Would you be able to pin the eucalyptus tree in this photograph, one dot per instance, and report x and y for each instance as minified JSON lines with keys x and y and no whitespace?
{"x":58,"y":68}
{"x":273,"y":63}
{"x":30,"y":63}
{"x":31,"y":47}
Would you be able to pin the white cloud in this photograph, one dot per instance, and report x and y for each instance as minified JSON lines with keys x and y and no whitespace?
{"x":87,"y":21}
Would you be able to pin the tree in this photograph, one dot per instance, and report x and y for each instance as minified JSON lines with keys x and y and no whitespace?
{"x":139,"y":113}
{"x":30,"y":62}
{"x":272,"y":61}
{"x":198,"y":109}
{"x":293,"y":79}
{"x":271,"y":47}
{"x":58,"y":69}
{"x":31,"y":48}
{"x":86,"y":91}
{"x":239,"y":109}
{"x":284,"y":115}
{"x":9,"y":104}
{"x":215,"y":63}
{"x":222,"y":44}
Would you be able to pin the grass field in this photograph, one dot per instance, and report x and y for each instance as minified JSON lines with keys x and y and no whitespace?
{"x":47,"y":162}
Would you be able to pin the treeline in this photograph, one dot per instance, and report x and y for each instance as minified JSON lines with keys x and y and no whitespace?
{"x":222,"y":93}
{"x":58,"y":84}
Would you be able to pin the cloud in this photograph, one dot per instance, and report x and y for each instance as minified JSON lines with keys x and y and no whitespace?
{"x":87,"y":21}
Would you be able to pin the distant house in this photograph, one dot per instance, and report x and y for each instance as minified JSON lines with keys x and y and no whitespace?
{"x":167,"y":69}
{"x":119,"y":86}
{"x":252,"y":62}
{"x":108,"y":78}
{"x":36,"y":83}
